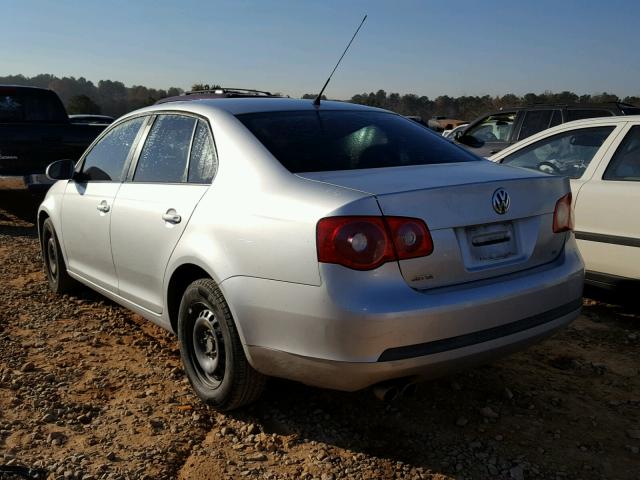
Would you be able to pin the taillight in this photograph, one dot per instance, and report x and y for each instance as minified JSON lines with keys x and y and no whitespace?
{"x":562,"y":216}
{"x":366,"y":242}
{"x":411,"y":237}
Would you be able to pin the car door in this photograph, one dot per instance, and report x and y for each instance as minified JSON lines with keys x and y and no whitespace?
{"x":87,"y":205}
{"x":607,"y":211}
{"x":490,"y":135}
{"x":174,"y":168}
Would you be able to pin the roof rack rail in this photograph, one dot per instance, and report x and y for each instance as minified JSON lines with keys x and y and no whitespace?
{"x":221,"y":92}
{"x":232,"y":91}
{"x":576,"y":104}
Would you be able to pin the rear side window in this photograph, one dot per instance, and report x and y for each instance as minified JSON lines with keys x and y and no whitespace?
{"x":166,"y":150}
{"x":36,"y":106}
{"x":535,"y":121}
{"x":556,"y":118}
{"x":630,"y":110}
{"x":203,"y":162}
{"x":625,"y":164}
{"x":105,"y":162}
{"x":318,"y":141}
{"x":579,"y":114}
{"x":567,"y":153}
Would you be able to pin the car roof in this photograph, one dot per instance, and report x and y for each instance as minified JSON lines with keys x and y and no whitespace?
{"x":30,"y":88}
{"x":616,"y":107}
{"x":238,"y":106}
{"x":596,"y":120}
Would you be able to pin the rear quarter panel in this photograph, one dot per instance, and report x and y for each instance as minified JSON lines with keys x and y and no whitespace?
{"x":257,"y":219}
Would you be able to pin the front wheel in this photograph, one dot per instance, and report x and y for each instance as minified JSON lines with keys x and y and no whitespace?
{"x":56,"y":270}
{"x":211,"y":350}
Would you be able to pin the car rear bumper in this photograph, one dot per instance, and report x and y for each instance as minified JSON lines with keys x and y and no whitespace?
{"x":358,"y":330}
{"x":351,"y":376}
{"x":25,"y":182}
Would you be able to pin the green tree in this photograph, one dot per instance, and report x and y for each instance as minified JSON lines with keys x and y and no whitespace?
{"x":82,"y":104}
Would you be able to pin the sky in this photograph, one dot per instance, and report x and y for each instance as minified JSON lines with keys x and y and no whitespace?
{"x":432,"y":48}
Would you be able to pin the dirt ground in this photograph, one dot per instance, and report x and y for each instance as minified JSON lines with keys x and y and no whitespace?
{"x":89,"y":390}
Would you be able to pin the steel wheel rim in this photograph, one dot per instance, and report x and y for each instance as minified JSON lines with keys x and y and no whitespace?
{"x":207,"y":342}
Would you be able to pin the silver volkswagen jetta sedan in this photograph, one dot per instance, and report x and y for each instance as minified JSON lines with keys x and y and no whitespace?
{"x":336,"y":245}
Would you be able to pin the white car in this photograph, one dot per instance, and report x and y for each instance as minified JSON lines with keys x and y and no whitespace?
{"x":601,"y":156}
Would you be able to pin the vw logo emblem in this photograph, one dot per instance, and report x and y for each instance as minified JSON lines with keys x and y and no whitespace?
{"x":501,"y":201}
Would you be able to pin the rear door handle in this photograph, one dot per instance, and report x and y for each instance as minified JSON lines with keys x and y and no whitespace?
{"x":103,"y":206}
{"x":171,"y":216}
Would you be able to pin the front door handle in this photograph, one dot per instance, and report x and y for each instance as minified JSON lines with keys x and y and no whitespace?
{"x":103,"y":206}
{"x":171,"y":216}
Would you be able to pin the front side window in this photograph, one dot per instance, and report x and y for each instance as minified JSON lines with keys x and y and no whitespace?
{"x":106,"y":160}
{"x":166,"y":150}
{"x":320,"y":141}
{"x":567,"y":153}
{"x":494,"y":128}
{"x":535,"y":121}
{"x":625,"y":164}
{"x":203,"y":162}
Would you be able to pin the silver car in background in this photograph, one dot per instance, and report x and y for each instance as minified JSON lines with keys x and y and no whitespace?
{"x":336,"y":245}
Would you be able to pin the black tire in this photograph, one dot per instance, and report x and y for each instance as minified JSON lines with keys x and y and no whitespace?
{"x":54,"y":267}
{"x":211,"y":350}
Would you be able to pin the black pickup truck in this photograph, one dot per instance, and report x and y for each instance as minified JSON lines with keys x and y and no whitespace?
{"x":35,"y":131}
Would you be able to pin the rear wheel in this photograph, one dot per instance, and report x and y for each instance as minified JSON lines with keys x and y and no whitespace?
{"x":211,"y":350}
{"x":56,"y":270}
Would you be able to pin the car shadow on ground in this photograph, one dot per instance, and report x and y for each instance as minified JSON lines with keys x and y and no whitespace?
{"x":18,"y":211}
{"x":447,"y":426}
{"x":622,"y":301}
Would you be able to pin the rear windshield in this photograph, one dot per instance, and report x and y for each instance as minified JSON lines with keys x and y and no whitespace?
{"x":20,"y":106}
{"x":319,"y":141}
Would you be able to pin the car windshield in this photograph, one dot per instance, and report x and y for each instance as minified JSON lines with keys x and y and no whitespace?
{"x":318,"y":141}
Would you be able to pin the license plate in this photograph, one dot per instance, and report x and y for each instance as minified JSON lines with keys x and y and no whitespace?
{"x":492,"y":242}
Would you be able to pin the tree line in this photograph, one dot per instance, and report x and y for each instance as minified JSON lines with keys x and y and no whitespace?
{"x":469,"y":107}
{"x":114,"y":98}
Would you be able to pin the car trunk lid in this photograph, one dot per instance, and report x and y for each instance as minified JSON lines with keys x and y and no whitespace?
{"x":472,"y":241}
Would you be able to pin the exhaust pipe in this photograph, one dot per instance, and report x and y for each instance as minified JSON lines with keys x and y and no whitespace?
{"x":394,"y":389}
{"x":386,"y":393}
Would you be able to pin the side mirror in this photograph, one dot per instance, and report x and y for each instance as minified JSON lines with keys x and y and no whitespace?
{"x":61,"y":170}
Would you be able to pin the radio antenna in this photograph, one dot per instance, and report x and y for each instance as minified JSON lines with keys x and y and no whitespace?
{"x":316,"y":102}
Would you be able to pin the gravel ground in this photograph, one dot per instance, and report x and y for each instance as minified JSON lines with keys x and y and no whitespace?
{"x":89,"y":390}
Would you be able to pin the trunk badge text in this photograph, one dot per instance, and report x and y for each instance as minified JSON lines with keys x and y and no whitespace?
{"x":501,"y":201}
